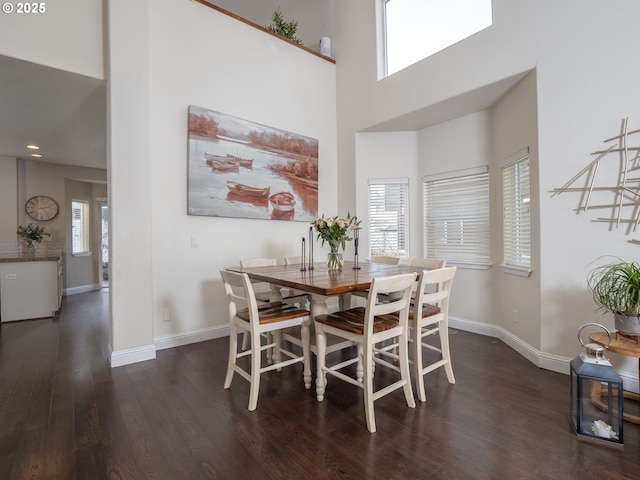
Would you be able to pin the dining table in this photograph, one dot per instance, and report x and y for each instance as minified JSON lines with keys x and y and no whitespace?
{"x":322,"y":282}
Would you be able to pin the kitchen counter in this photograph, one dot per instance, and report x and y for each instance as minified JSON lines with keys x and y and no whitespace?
{"x":24,"y":257}
{"x":30,"y":285}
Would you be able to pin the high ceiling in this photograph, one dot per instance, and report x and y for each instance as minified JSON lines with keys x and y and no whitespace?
{"x":62,"y":112}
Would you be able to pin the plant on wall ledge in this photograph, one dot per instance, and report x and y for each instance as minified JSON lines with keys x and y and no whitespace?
{"x":283,"y":28}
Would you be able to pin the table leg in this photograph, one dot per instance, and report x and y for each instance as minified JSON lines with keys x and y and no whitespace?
{"x":321,"y":379}
{"x":276,"y":294}
{"x":306,"y":352}
{"x":318,"y":305}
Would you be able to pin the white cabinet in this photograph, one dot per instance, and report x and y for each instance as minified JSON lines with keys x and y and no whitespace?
{"x":30,"y":289}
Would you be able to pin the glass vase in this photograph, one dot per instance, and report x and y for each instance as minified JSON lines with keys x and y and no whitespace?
{"x":30,"y":249}
{"x":334,"y":259}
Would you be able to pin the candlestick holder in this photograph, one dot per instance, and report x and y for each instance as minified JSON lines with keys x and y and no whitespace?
{"x":311,"y":267}
{"x":355,"y":257}
{"x":303,"y":267}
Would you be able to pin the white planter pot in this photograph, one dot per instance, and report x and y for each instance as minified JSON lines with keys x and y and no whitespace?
{"x":628,"y":325}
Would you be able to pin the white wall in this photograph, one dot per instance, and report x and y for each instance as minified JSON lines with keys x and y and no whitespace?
{"x":515,"y":300}
{"x":456,"y":145}
{"x":8,"y":199}
{"x":385,"y":155}
{"x":584,"y":85}
{"x":160,"y":67}
{"x":67,"y":36}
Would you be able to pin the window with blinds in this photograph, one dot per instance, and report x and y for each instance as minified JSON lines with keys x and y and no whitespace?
{"x":389,"y":217}
{"x":80,"y":227}
{"x":456,"y":209}
{"x":516,"y":203}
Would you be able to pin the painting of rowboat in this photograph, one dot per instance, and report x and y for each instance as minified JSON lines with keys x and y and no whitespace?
{"x":238,"y":168}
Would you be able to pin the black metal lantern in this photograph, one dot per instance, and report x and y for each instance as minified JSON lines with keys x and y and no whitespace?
{"x":596,"y":395}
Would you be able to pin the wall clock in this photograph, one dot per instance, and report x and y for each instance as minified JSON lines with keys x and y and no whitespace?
{"x":41,"y":207}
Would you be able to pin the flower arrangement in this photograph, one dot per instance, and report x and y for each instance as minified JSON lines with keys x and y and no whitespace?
{"x":32,"y":233}
{"x":335,"y":231}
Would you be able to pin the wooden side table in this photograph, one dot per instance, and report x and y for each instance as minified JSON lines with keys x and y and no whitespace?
{"x":623,"y":345}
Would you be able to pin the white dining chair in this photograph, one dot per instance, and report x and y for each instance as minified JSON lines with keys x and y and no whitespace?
{"x":367,"y":327}
{"x":427,"y":263}
{"x":428,"y":317}
{"x":267,"y":295}
{"x":387,"y":260}
{"x":245,"y":313}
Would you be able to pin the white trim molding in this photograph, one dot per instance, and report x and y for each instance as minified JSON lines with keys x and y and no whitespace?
{"x":82,"y":289}
{"x":555,"y":363}
{"x":132,"y":355}
{"x":185,"y":338}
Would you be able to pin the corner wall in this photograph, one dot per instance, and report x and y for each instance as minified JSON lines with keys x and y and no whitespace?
{"x":585,"y":84}
{"x":160,"y":67}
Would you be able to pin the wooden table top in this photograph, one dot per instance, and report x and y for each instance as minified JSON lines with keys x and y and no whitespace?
{"x":619,"y":344}
{"x":323,"y":281}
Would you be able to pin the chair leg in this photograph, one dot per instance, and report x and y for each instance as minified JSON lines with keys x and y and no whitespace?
{"x":305,"y":334}
{"x":359,"y":366}
{"x":256,"y":363}
{"x":277,"y":354}
{"x":368,"y":389}
{"x":233,"y":352}
{"x":417,"y":362}
{"x":245,"y":340}
{"x":269,"y":350}
{"x":321,"y":348}
{"x":446,"y":354}
{"x":404,"y":369}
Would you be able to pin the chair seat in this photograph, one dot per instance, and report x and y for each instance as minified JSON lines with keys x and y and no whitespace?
{"x":428,"y":310}
{"x":352,"y":320}
{"x":274,"y":312}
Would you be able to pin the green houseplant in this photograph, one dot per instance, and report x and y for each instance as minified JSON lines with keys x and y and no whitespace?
{"x":616,"y":289}
{"x":283,"y":28}
{"x":31,"y":234}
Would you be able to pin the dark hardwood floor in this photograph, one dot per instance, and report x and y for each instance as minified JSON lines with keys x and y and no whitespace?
{"x":64,"y":414}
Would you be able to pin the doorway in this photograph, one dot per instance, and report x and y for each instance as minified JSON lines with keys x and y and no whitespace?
{"x":104,"y":245}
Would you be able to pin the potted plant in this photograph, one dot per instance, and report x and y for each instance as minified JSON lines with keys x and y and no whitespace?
{"x":31,"y":234}
{"x":283,"y":28}
{"x":616,"y":289}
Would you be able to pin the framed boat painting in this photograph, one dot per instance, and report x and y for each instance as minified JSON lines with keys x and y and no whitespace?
{"x":238,"y":168}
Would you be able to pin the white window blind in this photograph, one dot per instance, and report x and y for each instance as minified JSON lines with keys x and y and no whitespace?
{"x":456,"y":208}
{"x":80,"y":226}
{"x":389,"y":217}
{"x":516,"y":203}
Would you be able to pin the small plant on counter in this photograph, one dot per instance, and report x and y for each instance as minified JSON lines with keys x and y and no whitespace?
{"x":32,"y":233}
{"x":283,"y":28}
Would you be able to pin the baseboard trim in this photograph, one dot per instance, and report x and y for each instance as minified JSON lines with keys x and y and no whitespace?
{"x":179,"y":339}
{"x":555,"y":363}
{"x":132,"y":355}
{"x":82,"y":289}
